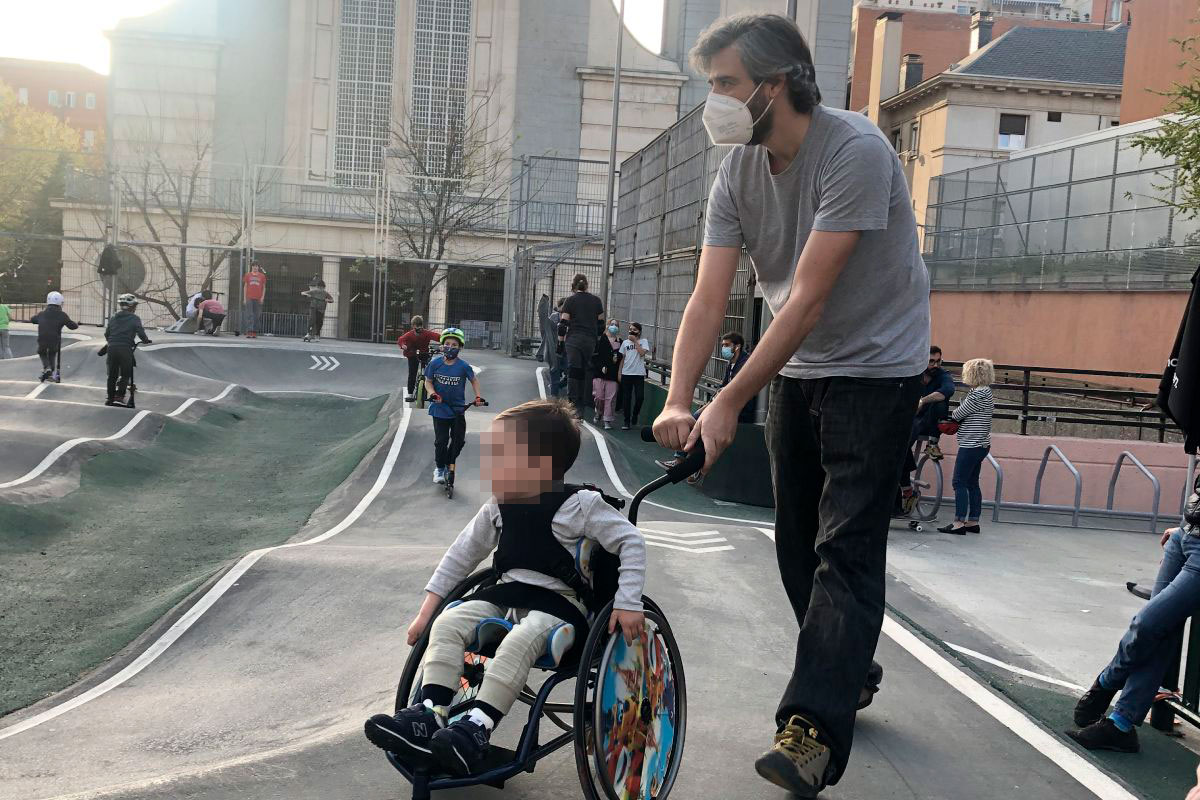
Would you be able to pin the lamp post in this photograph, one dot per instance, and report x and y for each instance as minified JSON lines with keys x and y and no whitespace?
{"x":612,"y":160}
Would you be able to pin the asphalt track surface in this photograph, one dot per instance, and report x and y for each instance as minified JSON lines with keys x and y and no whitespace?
{"x":265,"y":694}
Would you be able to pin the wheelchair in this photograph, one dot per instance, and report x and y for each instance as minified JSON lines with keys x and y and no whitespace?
{"x":627,"y":723}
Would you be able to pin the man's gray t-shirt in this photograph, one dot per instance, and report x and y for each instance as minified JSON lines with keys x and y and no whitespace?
{"x":846,"y":177}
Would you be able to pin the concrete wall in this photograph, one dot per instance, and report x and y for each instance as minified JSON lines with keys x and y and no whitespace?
{"x":552,"y":44}
{"x":1152,"y":60}
{"x":1020,"y":457}
{"x":250,"y":106}
{"x":1124,"y":331}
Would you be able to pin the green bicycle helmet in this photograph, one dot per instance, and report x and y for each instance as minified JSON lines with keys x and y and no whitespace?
{"x":453,"y":333}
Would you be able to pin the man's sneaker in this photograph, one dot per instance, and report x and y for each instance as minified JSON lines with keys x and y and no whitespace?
{"x":874,"y":678}
{"x":407,"y":734}
{"x":667,"y":464}
{"x":1105,"y":735}
{"x":45,"y":375}
{"x":439,"y":475}
{"x":408,"y":398}
{"x":1094,"y":704}
{"x":608,"y":426}
{"x":625,"y":427}
{"x":798,"y":761}
{"x":110,"y":402}
{"x":461,"y":748}
{"x":934,"y":452}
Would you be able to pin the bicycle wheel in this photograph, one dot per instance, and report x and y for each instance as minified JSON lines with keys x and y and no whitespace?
{"x":930,"y":485}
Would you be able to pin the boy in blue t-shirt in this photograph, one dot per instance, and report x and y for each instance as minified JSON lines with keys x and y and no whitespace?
{"x":445,"y":383}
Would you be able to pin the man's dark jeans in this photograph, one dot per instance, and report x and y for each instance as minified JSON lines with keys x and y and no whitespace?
{"x":579,"y":349}
{"x":923,"y":424}
{"x":836,"y":445}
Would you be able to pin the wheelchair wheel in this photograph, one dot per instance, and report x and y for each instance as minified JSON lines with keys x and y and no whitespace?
{"x":630,"y":712}
{"x":929,"y":483}
{"x":473,"y":668}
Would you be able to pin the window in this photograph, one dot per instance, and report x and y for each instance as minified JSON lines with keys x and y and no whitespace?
{"x":89,"y":140}
{"x":1114,"y":10}
{"x":69,"y":99}
{"x":1012,"y":131}
{"x":897,"y":139}
{"x":52,"y":98}
{"x":23,"y":96}
{"x":89,"y":101}
{"x":441,"y":60}
{"x":914,"y":136}
{"x":364,"y":93}
{"x":1053,"y":116}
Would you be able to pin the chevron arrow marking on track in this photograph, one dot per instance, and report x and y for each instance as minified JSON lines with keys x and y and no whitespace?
{"x":325,"y":363}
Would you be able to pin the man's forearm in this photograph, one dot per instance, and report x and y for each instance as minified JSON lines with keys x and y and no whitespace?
{"x":696,"y":330}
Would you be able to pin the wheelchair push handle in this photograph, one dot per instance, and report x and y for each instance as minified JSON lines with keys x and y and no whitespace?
{"x":691,"y":464}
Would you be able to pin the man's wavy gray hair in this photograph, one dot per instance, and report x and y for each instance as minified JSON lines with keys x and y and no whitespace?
{"x":770,"y":46}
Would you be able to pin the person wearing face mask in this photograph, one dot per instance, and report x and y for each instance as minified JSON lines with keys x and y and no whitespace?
{"x":733,"y":350}
{"x":819,"y":199}
{"x":606,"y":366}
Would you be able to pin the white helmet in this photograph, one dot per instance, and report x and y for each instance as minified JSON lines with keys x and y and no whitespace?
{"x":55,"y":299}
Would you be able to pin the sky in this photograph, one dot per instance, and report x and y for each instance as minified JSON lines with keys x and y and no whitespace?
{"x":73,"y":30}
{"x":65,"y":30}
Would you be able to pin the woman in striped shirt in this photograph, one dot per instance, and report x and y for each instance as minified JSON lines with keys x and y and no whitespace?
{"x":974,"y":416}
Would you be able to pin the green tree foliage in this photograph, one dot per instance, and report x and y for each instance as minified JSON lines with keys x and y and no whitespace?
{"x":1178,"y":138}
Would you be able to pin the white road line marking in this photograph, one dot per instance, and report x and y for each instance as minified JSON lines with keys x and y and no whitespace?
{"x":70,"y":444}
{"x":767,"y":532}
{"x":718,"y":549}
{"x":680,"y":535}
{"x":649,"y":537}
{"x":183,"y":407}
{"x":602,"y":446}
{"x":172,"y":634}
{"x":1070,"y":762}
{"x":41,"y":387}
{"x":1015,"y":669}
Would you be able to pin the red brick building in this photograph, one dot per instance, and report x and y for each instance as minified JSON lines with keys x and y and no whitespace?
{"x":1152,"y":61}
{"x":942,"y":38}
{"x":73,"y":93}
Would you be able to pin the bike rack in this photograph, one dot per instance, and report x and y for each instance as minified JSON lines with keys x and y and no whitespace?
{"x":997,"y":500}
{"x":1037,"y":486}
{"x":1112,"y":489}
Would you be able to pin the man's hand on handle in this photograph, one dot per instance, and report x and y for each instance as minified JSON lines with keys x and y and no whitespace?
{"x":675,"y":428}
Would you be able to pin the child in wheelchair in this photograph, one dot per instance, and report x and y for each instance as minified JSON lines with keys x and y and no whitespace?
{"x":544,"y":533}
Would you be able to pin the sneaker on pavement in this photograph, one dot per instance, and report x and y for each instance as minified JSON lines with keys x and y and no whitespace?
{"x":439,"y":475}
{"x":666,"y":464}
{"x":798,"y":761}
{"x":1105,"y":735}
{"x":625,"y":427}
{"x":874,"y":678}
{"x":408,"y":398}
{"x":406,"y":734}
{"x":461,"y":748}
{"x":934,"y":452}
{"x":608,"y":426}
{"x":1094,"y":704}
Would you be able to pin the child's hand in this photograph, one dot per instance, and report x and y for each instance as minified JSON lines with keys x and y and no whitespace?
{"x":417,"y":627}
{"x":632,"y":623}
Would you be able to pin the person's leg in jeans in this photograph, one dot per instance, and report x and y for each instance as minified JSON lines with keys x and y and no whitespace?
{"x":633,"y":400}
{"x":579,"y":352}
{"x":253,"y":307}
{"x":836,"y":446}
{"x":966,"y":463}
{"x":114,"y":367}
{"x":974,"y":493}
{"x":5,"y":345}
{"x":414,"y":366}
{"x":1148,"y":644}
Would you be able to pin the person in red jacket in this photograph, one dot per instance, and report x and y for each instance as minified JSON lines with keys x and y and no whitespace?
{"x":414,"y":344}
{"x":254,"y":289}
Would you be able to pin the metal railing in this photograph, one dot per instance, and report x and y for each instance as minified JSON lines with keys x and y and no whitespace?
{"x":1112,"y":489}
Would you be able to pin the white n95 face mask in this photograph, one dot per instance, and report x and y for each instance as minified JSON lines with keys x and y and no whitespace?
{"x":728,"y":120}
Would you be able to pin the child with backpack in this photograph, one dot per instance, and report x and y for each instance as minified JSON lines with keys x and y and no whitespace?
{"x":50,"y":321}
{"x":541,"y":529}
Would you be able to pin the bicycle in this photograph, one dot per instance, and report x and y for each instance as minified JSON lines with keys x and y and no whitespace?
{"x":454,"y":406}
{"x":419,"y":394}
{"x":926,"y":498}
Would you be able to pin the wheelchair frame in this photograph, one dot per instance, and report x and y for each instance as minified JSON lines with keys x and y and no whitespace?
{"x":585,"y":711}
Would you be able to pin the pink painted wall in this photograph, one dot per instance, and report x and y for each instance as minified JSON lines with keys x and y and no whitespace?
{"x":1019,"y":457}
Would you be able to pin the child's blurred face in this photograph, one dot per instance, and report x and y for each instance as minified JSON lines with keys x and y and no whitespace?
{"x":507,"y":464}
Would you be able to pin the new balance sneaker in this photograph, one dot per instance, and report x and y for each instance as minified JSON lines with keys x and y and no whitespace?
{"x":1094,"y":704}
{"x":439,"y":475}
{"x":798,"y":761}
{"x":406,"y":734}
{"x":1105,"y":735}
{"x":461,"y":748}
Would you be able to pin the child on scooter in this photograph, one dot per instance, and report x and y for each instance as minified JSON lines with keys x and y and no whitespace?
{"x":539,"y":528}
{"x":50,"y":322}
{"x":445,"y":384}
{"x":119,"y":335}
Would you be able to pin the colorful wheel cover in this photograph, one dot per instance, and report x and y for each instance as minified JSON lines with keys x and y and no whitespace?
{"x":636,"y":716}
